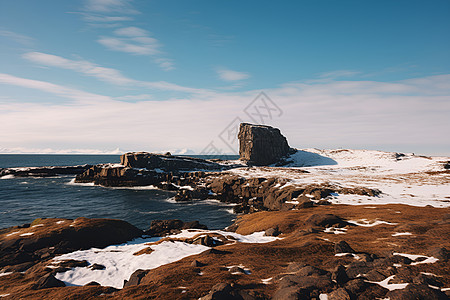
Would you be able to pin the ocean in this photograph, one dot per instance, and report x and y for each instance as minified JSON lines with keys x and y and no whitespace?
{"x":24,"y":199}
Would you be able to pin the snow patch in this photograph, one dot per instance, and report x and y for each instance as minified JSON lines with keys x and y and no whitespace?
{"x":369,"y":223}
{"x":385,"y":283}
{"x":120,"y":262}
{"x":413,"y":257}
{"x":335,"y":230}
{"x":27,"y":234}
{"x":401,"y":233}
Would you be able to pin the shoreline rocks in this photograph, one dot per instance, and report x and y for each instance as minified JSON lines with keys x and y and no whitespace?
{"x":50,"y":171}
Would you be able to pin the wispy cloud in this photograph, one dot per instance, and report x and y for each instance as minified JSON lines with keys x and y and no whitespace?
{"x":110,"y":6}
{"x":62,"y":91}
{"x":137,"y":41}
{"x":339,"y":74}
{"x":19,"y":38}
{"x":108,"y":75}
{"x":230,"y":75}
{"x":131,"y":32}
{"x":136,"y":46}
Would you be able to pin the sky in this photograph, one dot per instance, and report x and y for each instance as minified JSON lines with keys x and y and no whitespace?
{"x":109,"y":76}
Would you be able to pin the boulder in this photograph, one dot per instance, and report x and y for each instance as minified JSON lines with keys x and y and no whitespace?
{"x":343,"y":247}
{"x":166,"y":227}
{"x":47,"y":281}
{"x":135,"y":278}
{"x":262,"y":145}
{"x":325,"y":220}
{"x":226,"y":291}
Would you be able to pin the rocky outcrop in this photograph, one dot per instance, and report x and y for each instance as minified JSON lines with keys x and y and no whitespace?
{"x":45,"y":238}
{"x":166,"y":162}
{"x":106,"y":175}
{"x":262,"y":145}
{"x":43,"y":171}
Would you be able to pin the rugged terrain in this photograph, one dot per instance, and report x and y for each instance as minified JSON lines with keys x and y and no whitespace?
{"x":311,"y":224}
{"x":346,"y":252}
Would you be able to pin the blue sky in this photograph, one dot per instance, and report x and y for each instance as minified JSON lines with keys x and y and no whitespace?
{"x":96,"y":75}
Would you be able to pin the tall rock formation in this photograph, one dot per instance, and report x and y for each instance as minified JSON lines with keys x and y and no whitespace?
{"x":262,"y":145}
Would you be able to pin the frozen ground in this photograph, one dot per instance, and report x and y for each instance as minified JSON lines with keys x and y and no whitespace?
{"x":402,"y":178}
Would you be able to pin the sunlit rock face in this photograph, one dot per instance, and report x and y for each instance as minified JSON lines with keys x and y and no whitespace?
{"x":261,"y":144}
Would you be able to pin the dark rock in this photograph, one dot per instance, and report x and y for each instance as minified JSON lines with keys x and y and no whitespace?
{"x":315,"y":282}
{"x":165,"y":227}
{"x":166,"y":163}
{"x":339,"y":275}
{"x":261,"y":145}
{"x":323,"y":202}
{"x":428,"y":280}
{"x":92,"y":283}
{"x":97,"y":267}
{"x":135,"y":278}
{"x":325,"y":220}
{"x":414,"y":291}
{"x":274,"y":231}
{"x":47,"y":281}
{"x":356,"y":286}
{"x":304,"y":203}
{"x":196,"y":264}
{"x":439,"y":252}
{"x":236,"y":269}
{"x":206,"y":241}
{"x":343,"y":247}
{"x":310,"y":271}
{"x":44,"y":171}
{"x":290,"y":293}
{"x":294,"y":267}
{"x":226,"y":291}
{"x":339,"y":294}
{"x":447,"y":165}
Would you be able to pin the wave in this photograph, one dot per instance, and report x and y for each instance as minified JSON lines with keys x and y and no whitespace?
{"x":8,"y":177}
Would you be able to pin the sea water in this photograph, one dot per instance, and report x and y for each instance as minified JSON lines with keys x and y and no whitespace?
{"x":24,"y":199}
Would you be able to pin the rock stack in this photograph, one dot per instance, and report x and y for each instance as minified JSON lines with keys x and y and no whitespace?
{"x":262,"y":145}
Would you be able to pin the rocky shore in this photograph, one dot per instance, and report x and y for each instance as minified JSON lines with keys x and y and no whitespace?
{"x":293,"y":237}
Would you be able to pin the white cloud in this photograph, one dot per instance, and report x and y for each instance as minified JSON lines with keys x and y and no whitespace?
{"x":127,"y":45}
{"x":230,"y":75}
{"x":109,"y":6}
{"x":137,"y":41}
{"x":339,"y":74}
{"x":165,"y":63}
{"x":62,"y":91}
{"x":82,"y":66}
{"x":90,"y":17}
{"x":131,"y":32}
{"x":19,"y":38}
{"x":404,"y":115}
{"x":105,"y":74}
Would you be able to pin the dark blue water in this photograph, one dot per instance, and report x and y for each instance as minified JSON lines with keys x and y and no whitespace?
{"x":24,"y":199}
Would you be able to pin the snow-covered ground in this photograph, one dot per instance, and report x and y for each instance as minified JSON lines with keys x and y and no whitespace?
{"x":120,"y":261}
{"x":402,"y":178}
